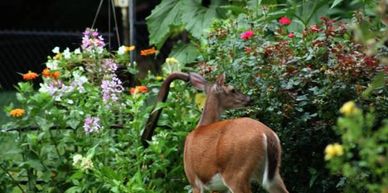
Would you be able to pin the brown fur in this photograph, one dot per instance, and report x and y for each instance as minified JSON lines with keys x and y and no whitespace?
{"x":236,"y":149}
{"x":233,"y":148}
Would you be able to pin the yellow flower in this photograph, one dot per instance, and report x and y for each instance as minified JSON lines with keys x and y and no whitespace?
{"x":129,"y":48}
{"x":171,"y":61}
{"x":58,"y":56}
{"x":125,"y":49}
{"x":200,"y":100}
{"x":349,"y":109}
{"x":17,"y":112}
{"x":159,"y":78}
{"x":333,"y":150}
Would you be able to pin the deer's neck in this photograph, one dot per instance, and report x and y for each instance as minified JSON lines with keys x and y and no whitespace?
{"x":211,"y":112}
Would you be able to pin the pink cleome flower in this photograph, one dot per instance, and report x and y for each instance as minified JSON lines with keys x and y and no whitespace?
{"x":247,"y":35}
{"x":291,"y":35}
{"x":284,"y":21}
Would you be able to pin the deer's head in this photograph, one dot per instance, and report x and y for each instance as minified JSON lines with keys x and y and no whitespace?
{"x":218,"y":93}
{"x":219,"y":97}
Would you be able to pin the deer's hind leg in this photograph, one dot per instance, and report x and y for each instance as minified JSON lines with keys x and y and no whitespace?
{"x":238,"y":185}
{"x":276,"y":185}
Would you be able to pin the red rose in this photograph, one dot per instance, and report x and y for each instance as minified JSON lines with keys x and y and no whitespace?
{"x":285,"y":21}
{"x":247,"y":35}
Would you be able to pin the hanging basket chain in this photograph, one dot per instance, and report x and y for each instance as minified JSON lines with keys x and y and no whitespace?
{"x":110,"y":5}
{"x":116,"y":25}
{"x":97,"y":13}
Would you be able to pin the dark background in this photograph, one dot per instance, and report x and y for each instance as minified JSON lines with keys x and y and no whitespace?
{"x":30,"y":29}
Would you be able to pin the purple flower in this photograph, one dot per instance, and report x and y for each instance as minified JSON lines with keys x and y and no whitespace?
{"x":92,"y":40}
{"x":111,"y":88}
{"x":109,"y":66}
{"x":91,"y":124}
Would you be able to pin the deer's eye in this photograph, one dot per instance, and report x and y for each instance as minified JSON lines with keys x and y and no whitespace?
{"x":233,"y":91}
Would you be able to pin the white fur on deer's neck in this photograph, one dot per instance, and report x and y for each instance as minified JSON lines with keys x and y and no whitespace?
{"x":211,"y":111}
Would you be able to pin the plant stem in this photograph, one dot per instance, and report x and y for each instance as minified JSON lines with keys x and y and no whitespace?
{"x":12,"y":178}
{"x":29,"y":172}
{"x":55,"y":143}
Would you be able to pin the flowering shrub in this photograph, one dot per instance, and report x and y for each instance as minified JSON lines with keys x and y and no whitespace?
{"x":80,"y":130}
{"x":361,"y":159}
{"x":298,"y":80}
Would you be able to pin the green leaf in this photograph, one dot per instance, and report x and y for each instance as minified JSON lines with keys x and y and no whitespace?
{"x":377,"y":82}
{"x":43,"y":123}
{"x":24,"y":87}
{"x":165,"y":15}
{"x":235,"y":9}
{"x":185,"y":53}
{"x":335,"y":3}
{"x":33,"y":163}
{"x":74,"y":189}
{"x":198,"y":18}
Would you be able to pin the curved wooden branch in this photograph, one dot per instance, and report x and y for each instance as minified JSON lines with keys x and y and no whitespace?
{"x":162,"y":97}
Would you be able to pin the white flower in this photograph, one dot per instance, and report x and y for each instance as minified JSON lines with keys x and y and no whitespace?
{"x":56,"y":50}
{"x":77,"y":51}
{"x":81,"y":162}
{"x":69,"y":101}
{"x":66,"y":53}
{"x":121,"y":50}
{"x":52,"y":64}
{"x":77,"y":159}
{"x":86,"y":163}
{"x":99,"y":50}
{"x":79,"y":81}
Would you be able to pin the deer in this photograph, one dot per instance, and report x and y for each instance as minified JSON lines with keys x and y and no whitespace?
{"x":224,"y":155}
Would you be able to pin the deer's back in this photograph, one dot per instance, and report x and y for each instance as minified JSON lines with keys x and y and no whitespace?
{"x":212,"y":148}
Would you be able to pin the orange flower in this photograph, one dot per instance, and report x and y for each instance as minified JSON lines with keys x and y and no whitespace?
{"x":17,"y":112}
{"x":138,"y":89}
{"x":56,"y":74}
{"x":30,"y":75}
{"x":147,"y":52}
{"x":46,"y":73}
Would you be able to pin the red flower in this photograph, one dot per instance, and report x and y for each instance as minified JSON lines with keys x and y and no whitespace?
{"x":284,"y":21}
{"x":315,"y":28}
{"x":370,"y":61}
{"x":291,"y":35}
{"x":248,"y":50}
{"x":247,"y":35}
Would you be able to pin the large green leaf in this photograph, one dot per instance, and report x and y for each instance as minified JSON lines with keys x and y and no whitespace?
{"x":185,"y":53}
{"x":198,"y":18}
{"x":162,"y":18}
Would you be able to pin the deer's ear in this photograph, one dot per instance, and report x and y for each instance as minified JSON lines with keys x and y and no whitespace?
{"x":197,"y":81}
{"x":221,"y":79}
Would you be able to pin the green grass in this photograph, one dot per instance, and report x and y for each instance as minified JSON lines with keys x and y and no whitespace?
{"x":6,"y":97}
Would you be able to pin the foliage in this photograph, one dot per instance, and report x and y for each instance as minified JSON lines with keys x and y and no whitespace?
{"x":80,"y":131}
{"x":87,"y":124}
{"x":298,"y":80}
{"x":192,"y":18}
{"x":364,"y":143}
